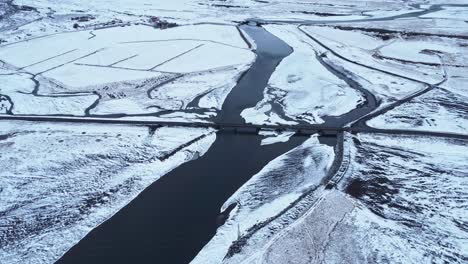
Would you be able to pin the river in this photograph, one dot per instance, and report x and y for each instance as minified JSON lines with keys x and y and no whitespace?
{"x":170,"y":221}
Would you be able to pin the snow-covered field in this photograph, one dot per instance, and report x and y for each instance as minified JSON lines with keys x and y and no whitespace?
{"x":389,"y":55}
{"x":59,"y":181}
{"x":438,"y":110}
{"x":49,"y":16}
{"x":410,"y":197}
{"x":403,"y":200}
{"x":129,"y":70}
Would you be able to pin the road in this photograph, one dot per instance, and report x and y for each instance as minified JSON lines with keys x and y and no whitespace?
{"x":241,"y":128}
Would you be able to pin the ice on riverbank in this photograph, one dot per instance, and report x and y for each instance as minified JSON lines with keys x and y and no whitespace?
{"x":272,"y":137}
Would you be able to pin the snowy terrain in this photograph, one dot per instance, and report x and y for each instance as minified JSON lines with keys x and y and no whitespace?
{"x":425,"y":55}
{"x":409,"y":195}
{"x":59,"y":181}
{"x":50,"y":16}
{"x":399,"y":68}
{"x":130,"y":70}
{"x":385,"y":210}
{"x":438,"y":110}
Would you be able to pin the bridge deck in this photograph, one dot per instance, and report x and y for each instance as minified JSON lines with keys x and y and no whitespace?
{"x":300,"y":130}
{"x":226,"y":127}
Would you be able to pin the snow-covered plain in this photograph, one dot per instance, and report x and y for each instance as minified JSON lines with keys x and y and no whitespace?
{"x":438,"y":110}
{"x":410,"y":197}
{"x":403,"y":200}
{"x":450,"y":12}
{"x":59,"y":181}
{"x":130,"y":70}
{"x":18,"y":87}
{"x":52,"y":16}
{"x":424,"y":54}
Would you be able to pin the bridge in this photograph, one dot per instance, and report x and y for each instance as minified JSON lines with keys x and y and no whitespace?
{"x":299,"y":130}
{"x":220,"y":126}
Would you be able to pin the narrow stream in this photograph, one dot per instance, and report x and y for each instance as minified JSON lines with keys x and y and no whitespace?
{"x":176,"y":216}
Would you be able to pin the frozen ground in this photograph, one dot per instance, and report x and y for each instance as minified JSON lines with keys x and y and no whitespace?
{"x":59,"y":181}
{"x":452,"y":12}
{"x":410,"y":195}
{"x":403,"y":200}
{"x":438,"y":110}
{"x":49,"y":16}
{"x":134,"y":70}
{"x":419,"y":58}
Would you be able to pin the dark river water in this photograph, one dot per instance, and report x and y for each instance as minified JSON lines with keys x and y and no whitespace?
{"x":170,"y":221}
{"x":175,"y":217}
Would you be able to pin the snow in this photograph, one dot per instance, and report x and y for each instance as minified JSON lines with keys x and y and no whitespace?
{"x":413,"y":50}
{"x":214,"y":86}
{"x":78,"y":76}
{"x":450,"y":27}
{"x":51,"y":105}
{"x":414,"y":209}
{"x":18,"y":87}
{"x":140,"y":55}
{"x":306,"y":241}
{"x":372,"y":57}
{"x":122,"y":66}
{"x":302,"y":87}
{"x":457,"y":81}
{"x":59,"y":181}
{"x":56,"y":16}
{"x":64,"y":57}
{"x":403,"y":200}
{"x":267,"y":193}
{"x":272,"y":137}
{"x":438,"y":110}
{"x":450,"y":12}
{"x":208,"y":57}
{"x":35,"y":51}
{"x":396,"y":47}
{"x":386,"y":88}
{"x":347,"y":37}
